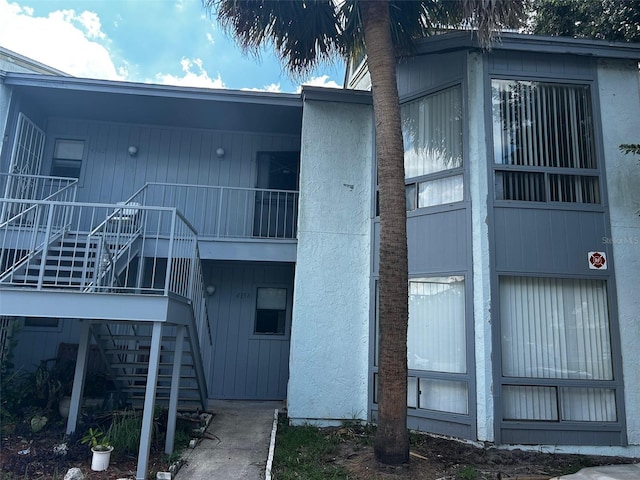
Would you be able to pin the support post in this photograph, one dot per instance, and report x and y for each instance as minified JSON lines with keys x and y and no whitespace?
{"x":149,"y":401}
{"x":78,"y":377}
{"x":175,"y":387}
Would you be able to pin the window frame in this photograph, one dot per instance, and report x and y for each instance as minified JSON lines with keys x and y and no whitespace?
{"x":445,"y":173}
{"x":546,"y":171}
{"x":287,"y":312}
{"x":82,"y":161}
{"x":558,"y":384}
{"x":467,"y":378}
{"x":42,"y":328}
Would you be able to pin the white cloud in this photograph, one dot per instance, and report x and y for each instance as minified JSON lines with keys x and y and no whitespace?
{"x":273,"y":88}
{"x":196,"y":78}
{"x":322,"y":81}
{"x":64,"y":40}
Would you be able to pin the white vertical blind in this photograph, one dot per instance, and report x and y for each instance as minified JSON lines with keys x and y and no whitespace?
{"x":432,"y":131}
{"x":440,"y":191}
{"x":542,"y":124}
{"x":436,"y":337}
{"x":556,"y":328}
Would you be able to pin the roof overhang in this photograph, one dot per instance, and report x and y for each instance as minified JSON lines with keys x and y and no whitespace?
{"x":467,"y":40}
{"x":128,"y":102}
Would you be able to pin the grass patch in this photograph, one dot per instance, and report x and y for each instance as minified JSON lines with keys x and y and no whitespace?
{"x":305,"y":452}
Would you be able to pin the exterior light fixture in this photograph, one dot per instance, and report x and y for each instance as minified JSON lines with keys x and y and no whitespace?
{"x":211,"y":290}
{"x":132,"y":150}
{"x":220,"y":152}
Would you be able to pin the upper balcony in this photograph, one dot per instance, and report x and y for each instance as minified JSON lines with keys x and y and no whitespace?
{"x":231,"y":223}
{"x":124,"y":140}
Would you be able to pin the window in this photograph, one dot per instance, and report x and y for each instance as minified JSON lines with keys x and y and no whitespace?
{"x":544,"y":148}
{"x":41,"y":322}
{"x":554,"y":330}
{"x":271,"y":311}
{"x":432,"y":135}
{"x":436,"y":345}
{"x":67,"y":158}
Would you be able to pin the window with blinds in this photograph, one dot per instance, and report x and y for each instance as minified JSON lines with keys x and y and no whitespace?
{"x":436,"y":345}
{"x":556,"y":350}
{"x":432,"y":135}
{"x":544,"y":147}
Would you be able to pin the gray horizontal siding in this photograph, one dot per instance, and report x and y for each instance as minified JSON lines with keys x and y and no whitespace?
{"x":547,"y":241}
{"x":423,"y":73}
{"x":527,"y":64}
{"x":437,"y":242}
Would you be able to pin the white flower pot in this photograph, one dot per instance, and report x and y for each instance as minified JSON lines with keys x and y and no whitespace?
{"x":100,"y":459}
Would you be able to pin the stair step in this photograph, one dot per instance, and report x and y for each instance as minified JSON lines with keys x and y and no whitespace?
{"x":146,"y":365}
{"x":138,"y":351}
{"x":142,"y":387}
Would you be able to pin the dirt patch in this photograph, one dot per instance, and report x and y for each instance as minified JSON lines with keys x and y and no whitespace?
{"x":436,"y":458}
{"x":35,"y":458}
{"x":432,"y":458}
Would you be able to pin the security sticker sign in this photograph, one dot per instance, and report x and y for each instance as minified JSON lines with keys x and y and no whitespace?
{"x":597,"y":260}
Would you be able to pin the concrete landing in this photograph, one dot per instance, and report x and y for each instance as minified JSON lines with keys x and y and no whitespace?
{"x":610,"y":472}
{"x":238,"y":446}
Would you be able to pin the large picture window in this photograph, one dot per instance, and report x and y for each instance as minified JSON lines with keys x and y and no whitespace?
{"x":432,"y":135}
{"x":554,"y":331}
{"x":543,"y":139}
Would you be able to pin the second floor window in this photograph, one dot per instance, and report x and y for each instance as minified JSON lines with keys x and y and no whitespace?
{"x":543,"y":140}
{"x":432,"y":134}
{"x":67,"y":158}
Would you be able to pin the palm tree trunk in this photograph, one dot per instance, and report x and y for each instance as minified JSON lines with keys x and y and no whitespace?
{"x":392,"y":439}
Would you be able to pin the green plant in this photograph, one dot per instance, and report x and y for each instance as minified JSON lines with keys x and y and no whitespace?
{"x":302,"y":452}
{"x":96,"y":439}
{"x":124,"y":431}
{"x":467,"y":473}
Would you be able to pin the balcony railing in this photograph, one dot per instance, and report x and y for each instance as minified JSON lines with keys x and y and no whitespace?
{"x":227,"y":212}
{"x":33,"y":187}
{"x":100,"y":248}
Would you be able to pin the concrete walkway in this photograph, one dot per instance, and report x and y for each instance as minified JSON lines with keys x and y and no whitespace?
{"x":609,"y":472}
{"x":238,"y":446}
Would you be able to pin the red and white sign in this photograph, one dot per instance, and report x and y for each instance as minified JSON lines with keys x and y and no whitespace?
{"x":597,"y":260}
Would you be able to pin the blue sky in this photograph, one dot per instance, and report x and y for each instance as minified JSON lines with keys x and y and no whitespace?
{"x":154,"y":41}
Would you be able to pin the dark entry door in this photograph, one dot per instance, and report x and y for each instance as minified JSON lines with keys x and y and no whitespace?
{"x":276,"y":202}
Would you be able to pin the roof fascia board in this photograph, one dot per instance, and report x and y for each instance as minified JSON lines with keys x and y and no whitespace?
{"x":531,"y":43}
{"x":29,"y":63}
{"x":152,"y":90}
{"x":336,"y":95}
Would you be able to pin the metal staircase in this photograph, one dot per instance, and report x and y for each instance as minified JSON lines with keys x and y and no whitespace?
{"x":131,"y":274}
{"x":126,"y":349}
{"x":67,"y":262}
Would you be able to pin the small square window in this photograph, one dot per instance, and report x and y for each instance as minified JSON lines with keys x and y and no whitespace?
{"x":41,"y":322}
{"x":271,"y":311}
{"x":67,"y":158}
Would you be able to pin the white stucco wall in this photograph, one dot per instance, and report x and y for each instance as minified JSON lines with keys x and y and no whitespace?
{"x":478,"y":186}
{"x":619,"y":90}
{"x":328,"y":366}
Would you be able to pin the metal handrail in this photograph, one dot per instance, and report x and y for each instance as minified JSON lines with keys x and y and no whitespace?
{"x":224,"y":212}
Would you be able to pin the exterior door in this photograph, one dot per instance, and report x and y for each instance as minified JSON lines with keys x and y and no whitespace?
{"x":276,"y":202}
{"x":26,"y":159}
